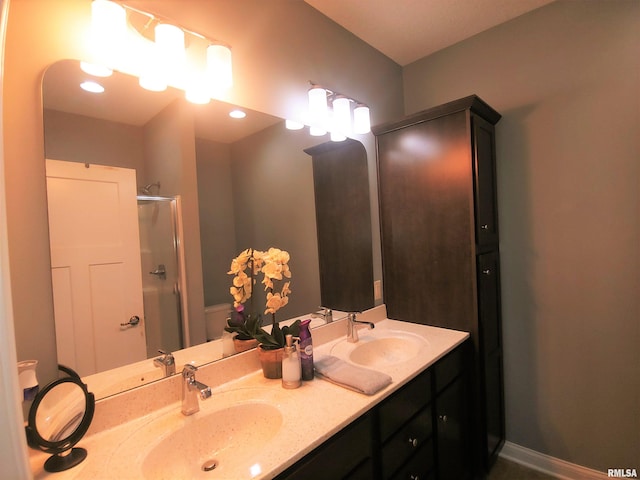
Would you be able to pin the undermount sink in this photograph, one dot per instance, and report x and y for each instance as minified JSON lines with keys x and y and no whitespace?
{"x":380,"y":348}
{"x":207,"y":444}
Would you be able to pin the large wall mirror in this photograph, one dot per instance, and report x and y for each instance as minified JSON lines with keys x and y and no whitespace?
{"x":240,"y":183}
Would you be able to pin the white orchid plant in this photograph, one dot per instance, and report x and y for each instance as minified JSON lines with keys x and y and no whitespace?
{"x":274,"y":266}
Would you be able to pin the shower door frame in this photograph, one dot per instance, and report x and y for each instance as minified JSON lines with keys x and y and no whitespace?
{"x":175,"y":203}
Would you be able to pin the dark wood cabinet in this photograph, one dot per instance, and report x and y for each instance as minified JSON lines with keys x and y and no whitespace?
{"x":346,"y":455}
{"x":422,"y":431}
{"x":440,"y":241}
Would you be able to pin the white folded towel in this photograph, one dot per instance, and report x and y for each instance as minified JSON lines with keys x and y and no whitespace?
{"x":356,"y":378}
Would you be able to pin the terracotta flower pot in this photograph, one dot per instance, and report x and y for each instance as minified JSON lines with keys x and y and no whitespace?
{"x":271,"y":361}
{"x":244,"y":345}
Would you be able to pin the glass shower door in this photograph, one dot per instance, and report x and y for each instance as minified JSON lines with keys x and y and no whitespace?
{"x":157,"y":217}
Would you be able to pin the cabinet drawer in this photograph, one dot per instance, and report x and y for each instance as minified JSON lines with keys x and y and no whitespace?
{"x":449,"y":367}
{"x":406,"y":442}
{"x":420,"y":466}
{"x":399,"y":408}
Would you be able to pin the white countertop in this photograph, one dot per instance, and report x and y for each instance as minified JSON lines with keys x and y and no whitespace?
{"x":307,"y":417}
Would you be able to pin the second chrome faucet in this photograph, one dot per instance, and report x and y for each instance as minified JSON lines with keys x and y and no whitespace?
{"x":191,"y":390}
{"x":352,"y":327}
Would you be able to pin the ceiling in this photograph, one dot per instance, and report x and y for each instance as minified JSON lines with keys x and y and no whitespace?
{"x":407,"y":30}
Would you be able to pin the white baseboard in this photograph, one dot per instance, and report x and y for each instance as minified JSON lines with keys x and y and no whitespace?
{"x":549,"y":465}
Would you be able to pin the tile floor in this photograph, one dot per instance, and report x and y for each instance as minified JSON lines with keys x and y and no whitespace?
{"x":507,"y":470}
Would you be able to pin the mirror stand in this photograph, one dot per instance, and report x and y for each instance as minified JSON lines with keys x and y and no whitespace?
{"x":65,"y":460}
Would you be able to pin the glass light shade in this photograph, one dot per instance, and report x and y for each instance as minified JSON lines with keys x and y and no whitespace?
{"x":316,"y":131}
{"x":293,"y":125}
{"x":108,"y":28}
{"x":170,"y":41}
{"x":153,"y":81}
{"x":318,"y":111}
{"x":219,"y":67}
{"x":338,"y":137}
{"x":361,"y":119}
{"x":197,"y":92}
{"x":342,"y":115}
{"x":96,"y":69}
{"x":108,"y":18}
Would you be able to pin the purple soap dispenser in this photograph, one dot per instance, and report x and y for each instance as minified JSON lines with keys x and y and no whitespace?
{"x":306,"y":350}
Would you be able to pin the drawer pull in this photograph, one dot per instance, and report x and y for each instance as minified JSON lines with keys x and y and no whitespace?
{"x":443,"y":418}
{"x":414,"y":477}
{"x":485,"y":227}
{"x":486,"y":271}
{"x":413,"y":442}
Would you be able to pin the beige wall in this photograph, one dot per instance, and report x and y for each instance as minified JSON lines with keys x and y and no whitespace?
{"x":566,"y":79}
{"x":277,"y":49}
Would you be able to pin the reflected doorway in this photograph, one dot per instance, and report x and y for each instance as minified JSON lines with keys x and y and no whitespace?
{"x":161,"y":257}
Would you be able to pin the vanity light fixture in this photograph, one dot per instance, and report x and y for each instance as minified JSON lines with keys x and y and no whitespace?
{"x":331,"y":111}
{"x":156,"y":51}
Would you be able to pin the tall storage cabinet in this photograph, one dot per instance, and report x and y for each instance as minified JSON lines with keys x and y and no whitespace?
{"x":439,"y":228}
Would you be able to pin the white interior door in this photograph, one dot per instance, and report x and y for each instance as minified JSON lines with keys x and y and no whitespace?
{"x":95,"y":265}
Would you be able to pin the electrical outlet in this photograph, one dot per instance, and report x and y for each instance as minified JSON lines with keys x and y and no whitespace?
{"x":377,"y":290}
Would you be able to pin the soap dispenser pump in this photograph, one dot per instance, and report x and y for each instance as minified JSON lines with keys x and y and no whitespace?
{"x":291,"y":370}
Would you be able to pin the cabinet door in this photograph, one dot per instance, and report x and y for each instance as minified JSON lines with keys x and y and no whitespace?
{"x":426,"y":219}
{"x":452,"y":430}
{"x":345,"y":456}
{"x":489,"y":302}
{"x":485,"y":182}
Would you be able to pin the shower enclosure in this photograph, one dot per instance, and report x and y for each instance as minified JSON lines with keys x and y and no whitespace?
{"x":159,"y":221}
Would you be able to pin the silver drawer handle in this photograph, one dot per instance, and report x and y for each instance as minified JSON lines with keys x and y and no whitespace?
{"x":484,"y":227}
{"x":443,"y":418}
{"x":414,"y":477}
{"x":413,"y":442}
{"x":486,"y":271}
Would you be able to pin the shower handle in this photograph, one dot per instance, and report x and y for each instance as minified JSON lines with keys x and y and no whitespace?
{"x":160,"y":272}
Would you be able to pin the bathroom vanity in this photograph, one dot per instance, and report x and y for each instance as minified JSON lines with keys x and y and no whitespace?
{"x":253,"y":428}
{"x":419,"y":432}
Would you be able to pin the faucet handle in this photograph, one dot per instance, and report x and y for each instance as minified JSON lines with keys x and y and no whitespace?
{"x":189,"y":370}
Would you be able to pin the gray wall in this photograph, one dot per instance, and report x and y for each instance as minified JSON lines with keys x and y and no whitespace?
{"x":566,"y":79}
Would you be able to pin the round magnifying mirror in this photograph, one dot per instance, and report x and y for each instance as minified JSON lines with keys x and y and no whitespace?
{"x":59,"y":417}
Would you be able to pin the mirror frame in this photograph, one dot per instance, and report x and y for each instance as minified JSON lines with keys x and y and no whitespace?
{"x":58,"y":462}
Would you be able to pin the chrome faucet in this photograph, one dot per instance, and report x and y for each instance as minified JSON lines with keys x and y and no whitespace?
{"x":326,"y":314}
{"x":166,"y":362}
{"x":191,"y":388}
{"x":352,"y":327}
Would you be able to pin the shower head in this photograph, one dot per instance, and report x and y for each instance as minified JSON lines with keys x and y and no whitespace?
{"x":146,"y":190}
